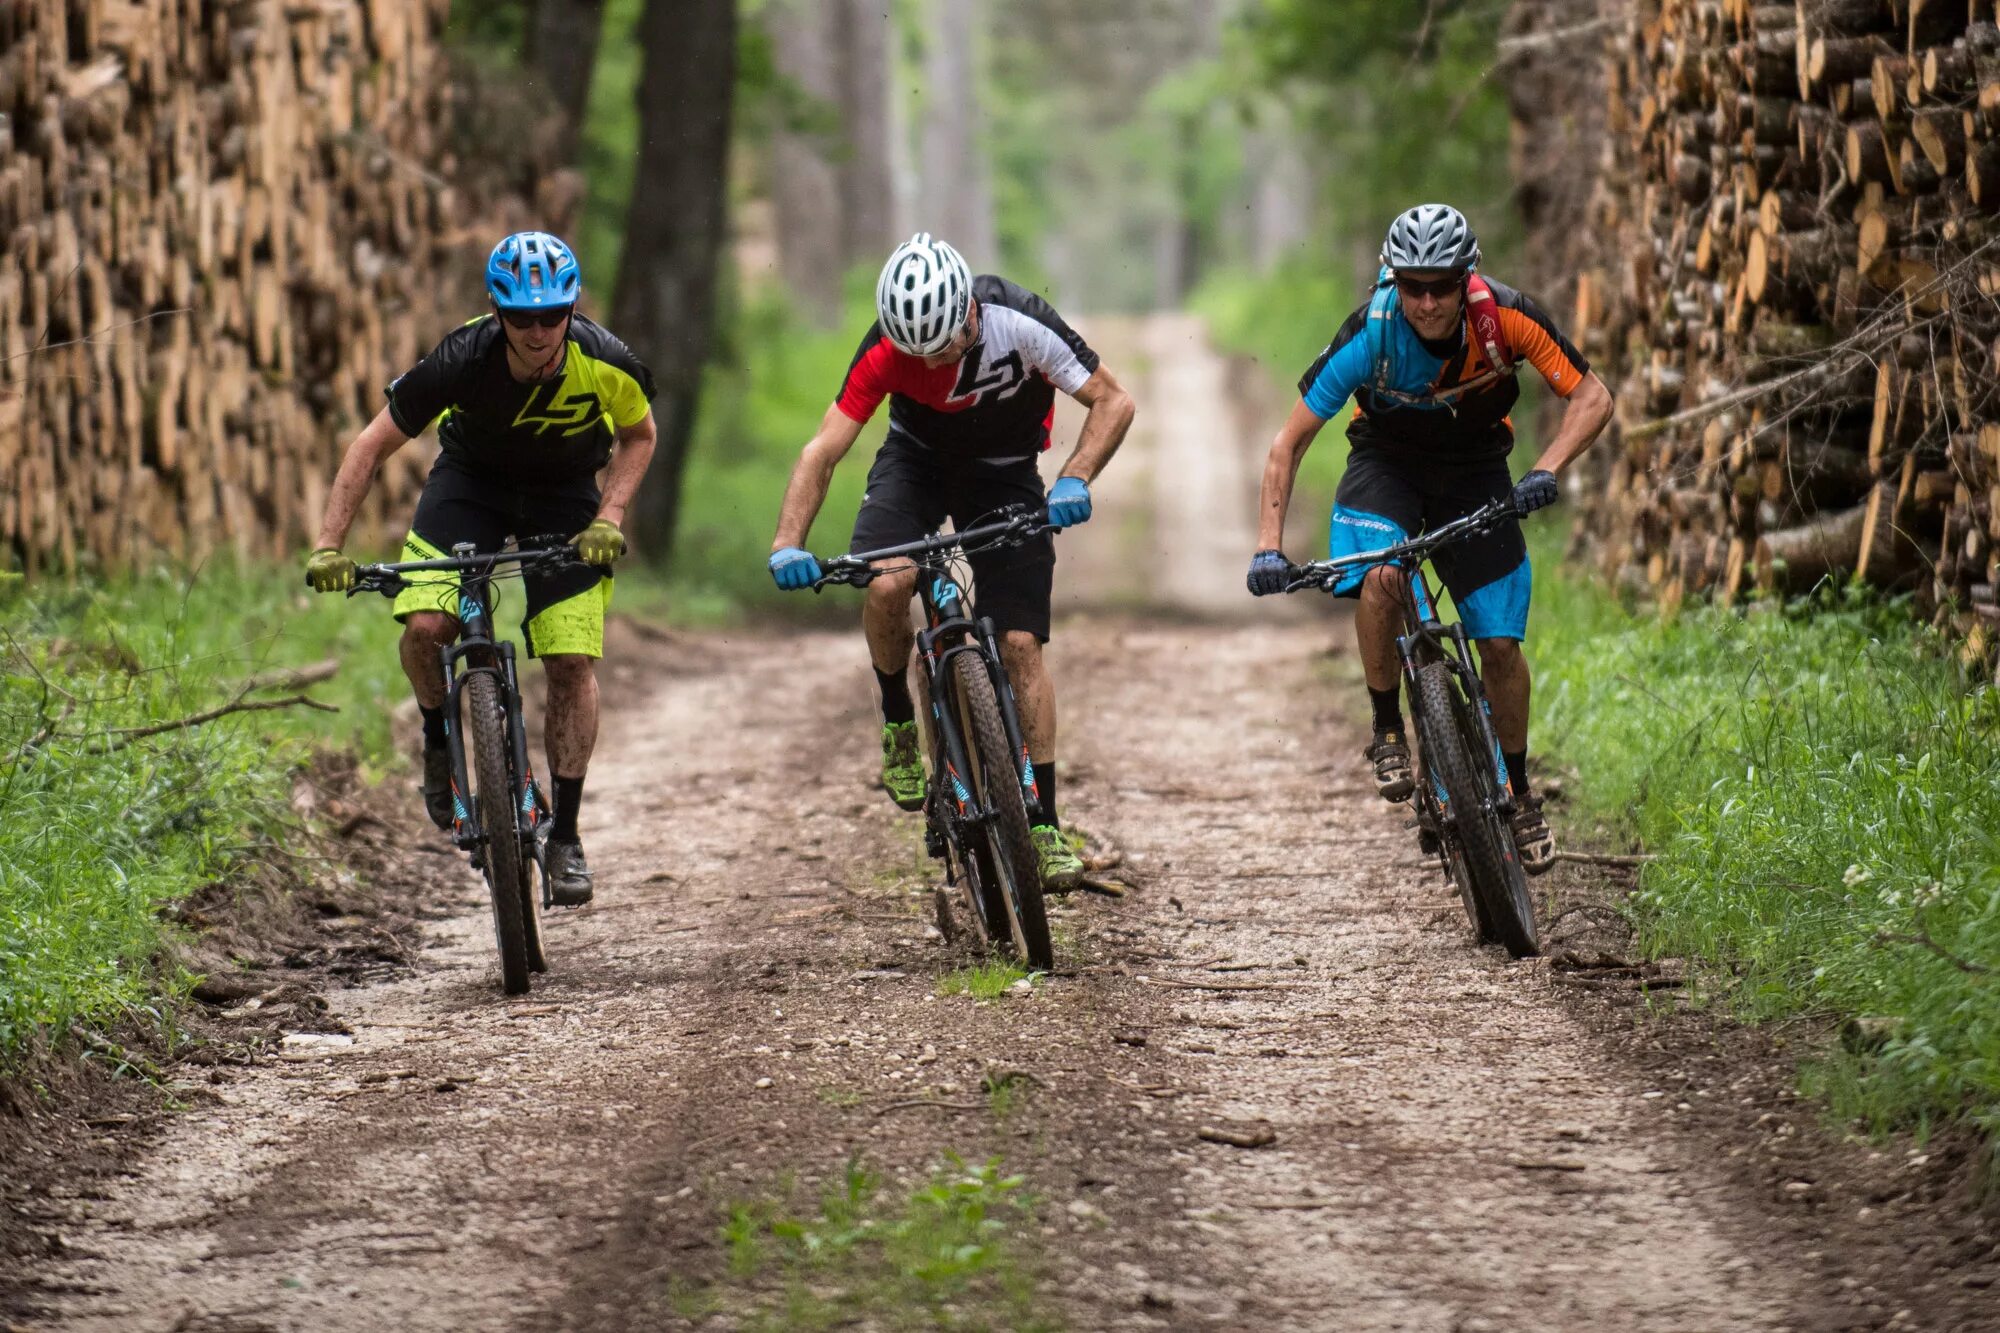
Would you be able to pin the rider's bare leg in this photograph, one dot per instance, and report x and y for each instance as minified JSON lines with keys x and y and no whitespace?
{"x":885,"y":620}
{"x":1034,"y":693}
{"x":571,"y":722}
{"x":425,"y":633}
{"x":1504,"y":668}
{"x":1377,"y":623}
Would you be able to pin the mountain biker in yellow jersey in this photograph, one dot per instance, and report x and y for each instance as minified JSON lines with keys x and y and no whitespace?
{"x":970,"y":366}
{"x":1430,"y":363}
{"x":530,"y":400}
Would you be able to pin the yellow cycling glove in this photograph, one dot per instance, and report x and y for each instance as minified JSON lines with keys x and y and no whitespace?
{"x":601,"y":543}
{"x":329,"y":571}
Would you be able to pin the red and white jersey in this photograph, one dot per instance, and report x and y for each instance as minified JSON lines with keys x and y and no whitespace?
{"x":998,"y":401}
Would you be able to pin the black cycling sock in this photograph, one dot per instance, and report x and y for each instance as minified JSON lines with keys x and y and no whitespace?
{"x":896,"y":704}
{"x":1517,"y":771}
{"x":1045,"y":787}
{"x":569,"y":799}
{"x":433,"y":724}
{"x":1388,"y":707}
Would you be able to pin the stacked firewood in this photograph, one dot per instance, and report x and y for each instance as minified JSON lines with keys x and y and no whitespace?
{"x":225,"y":228}
{"x":1796,"y":295}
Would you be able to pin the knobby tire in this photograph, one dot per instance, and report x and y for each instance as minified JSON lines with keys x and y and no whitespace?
{"x":507,"y":877}
{"x":1009,"y":848}
{"x":971,"y":905}
{"x":1485,"y":843}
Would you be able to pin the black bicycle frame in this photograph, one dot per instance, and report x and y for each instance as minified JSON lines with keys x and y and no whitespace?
{"x":1427,"y":639}
{"x":475,"y":618}
{"x":950,"y":629}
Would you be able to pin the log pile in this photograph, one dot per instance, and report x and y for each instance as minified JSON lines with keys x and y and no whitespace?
{"x":1799,"y":257}
{"x":225,"y":229}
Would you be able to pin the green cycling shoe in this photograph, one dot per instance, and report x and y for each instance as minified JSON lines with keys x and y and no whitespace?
{"x":903,"y":765}
{"x":1061,"y":868}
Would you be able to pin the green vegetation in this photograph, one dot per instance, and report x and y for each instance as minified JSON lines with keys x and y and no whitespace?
{"x":763,"y":401}
{"x":989,"y":980}
{"x":107,"y":829}
{"x":948,"y":1255}
{"x":1823,"y":791}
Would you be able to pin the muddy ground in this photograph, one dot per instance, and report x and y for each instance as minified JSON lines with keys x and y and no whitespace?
{"x":1461,"y":1142}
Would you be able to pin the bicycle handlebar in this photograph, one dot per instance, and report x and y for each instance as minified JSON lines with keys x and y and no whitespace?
{"x":856,"y":568}
{"x":549,"y":549}
{"x":1322,"y":574}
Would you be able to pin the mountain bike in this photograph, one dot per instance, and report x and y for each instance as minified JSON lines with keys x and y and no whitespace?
{"x":500,"y":816}
{"x":982,"y":784}
{"x":1464,"y":800}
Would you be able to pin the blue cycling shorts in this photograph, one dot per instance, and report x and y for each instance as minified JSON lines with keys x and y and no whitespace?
{"x":1383,"y":500}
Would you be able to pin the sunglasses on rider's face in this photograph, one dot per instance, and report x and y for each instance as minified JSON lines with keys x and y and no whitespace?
{"x":1440,"y":287}
{"x":535,"y":319}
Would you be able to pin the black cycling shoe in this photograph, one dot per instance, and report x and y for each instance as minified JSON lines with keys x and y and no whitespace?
{"x":1390,"y":753}
{"x":569,"y":874}
{"x":437,"y":785}
{"x":1532,"y":838}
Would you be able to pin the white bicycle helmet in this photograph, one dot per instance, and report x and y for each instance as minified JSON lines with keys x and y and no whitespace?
{"x":923,"y":295}
{"x":1431,"y":236}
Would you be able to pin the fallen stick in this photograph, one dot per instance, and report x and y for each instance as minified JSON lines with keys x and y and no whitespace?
{"x":127,"y":735}
{"x":1263,"y":1136}
{"x":293,"y":678}
{"x":930,"y":1101}
{"x":1607,"y":858}
{"x":1226,"y":985}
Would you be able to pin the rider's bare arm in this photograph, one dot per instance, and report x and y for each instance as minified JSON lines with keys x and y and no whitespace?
{"x":1104,"y":427}
{"x":806,"y":491}
{"x":628,"y":465}
{"x":358,"y":466}
{"x":1281,"y":470}
{"x":1583,"y":419}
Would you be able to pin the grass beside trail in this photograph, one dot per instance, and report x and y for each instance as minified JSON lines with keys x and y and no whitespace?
{"x":1821,"y":783}
{"x":105,"y":830}
{"x":948,"y":1254}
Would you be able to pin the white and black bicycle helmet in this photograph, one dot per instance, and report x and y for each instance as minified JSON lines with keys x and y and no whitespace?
{"x":923,"y":295}
{"x":1431,"y":236}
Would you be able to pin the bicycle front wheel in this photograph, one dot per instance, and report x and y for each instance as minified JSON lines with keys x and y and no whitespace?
{"x":507,"y":878}
{"x":1009,"y":850}
{"x":1484,"y":843}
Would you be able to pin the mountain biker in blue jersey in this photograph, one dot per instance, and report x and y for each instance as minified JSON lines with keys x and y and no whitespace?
{"x":531,"y":400}
{"x":1429,"y":364}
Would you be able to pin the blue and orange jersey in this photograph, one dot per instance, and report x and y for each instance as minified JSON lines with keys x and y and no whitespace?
{"x":1474,"y":426}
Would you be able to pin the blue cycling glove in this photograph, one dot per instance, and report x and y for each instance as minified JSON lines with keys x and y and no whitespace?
{"x":794,"y":569}
{"x":1069,"y":502}
{"x":1269,"y":573}
{"x":1535,"y":491}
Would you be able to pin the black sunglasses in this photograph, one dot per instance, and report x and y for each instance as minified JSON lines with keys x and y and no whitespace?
{"x":1434,"y":287}
{"x":536,"y":319}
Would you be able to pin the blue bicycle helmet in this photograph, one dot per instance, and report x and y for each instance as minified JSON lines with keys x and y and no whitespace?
{"x":531,"y":269}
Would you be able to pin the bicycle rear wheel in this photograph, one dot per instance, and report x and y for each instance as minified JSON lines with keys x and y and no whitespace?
{"x":1484,"y":843}
{"x":1008,"y":850}
{"x":507,"y":878}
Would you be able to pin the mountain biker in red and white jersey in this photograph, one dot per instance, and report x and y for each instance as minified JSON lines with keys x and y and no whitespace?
{"x":970,"y":366}
{"x":1429,"y":441}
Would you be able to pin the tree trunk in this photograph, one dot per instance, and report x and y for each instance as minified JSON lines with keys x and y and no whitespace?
{"x":955,"y":201}
{"x":867,"y":181}
{"x":562,"y":45}
{"x":674,"y":232}
{"x":806,"y":194}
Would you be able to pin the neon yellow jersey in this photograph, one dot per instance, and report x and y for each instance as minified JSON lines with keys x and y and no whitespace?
{"x":492,"y":424}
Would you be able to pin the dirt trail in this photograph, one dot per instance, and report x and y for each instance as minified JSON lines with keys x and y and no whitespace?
{"x":1452,"y":1147}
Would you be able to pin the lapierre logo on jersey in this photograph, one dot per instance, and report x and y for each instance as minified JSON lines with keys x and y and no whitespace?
{"x":978,"y":382}
{"x":575,"y":412}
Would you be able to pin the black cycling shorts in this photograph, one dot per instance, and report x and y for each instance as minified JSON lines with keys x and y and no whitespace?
{"x":564,"y":612}
{"x":1383,"y":499}
{"x":912,"y":490}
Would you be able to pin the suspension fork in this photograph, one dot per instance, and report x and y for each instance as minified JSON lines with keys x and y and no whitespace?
{"x":1010,"y":715}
